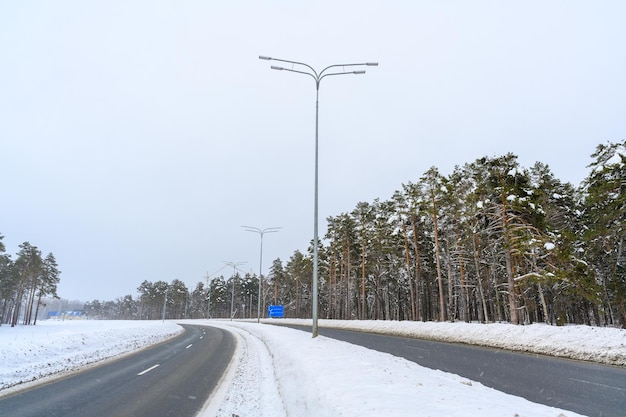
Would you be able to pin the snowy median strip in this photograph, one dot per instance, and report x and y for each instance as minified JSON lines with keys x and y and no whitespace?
{"x":605,"y":345}
{"x":284,"y":372}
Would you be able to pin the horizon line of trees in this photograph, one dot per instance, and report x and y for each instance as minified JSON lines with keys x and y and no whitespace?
{"x":491,"y":242}
{"x":235,"y":297}
{"x":25,"y":282}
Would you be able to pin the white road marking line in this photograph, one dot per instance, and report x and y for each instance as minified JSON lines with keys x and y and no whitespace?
{"x":189,"y":346}
{"x":147,"y":370}
{"x":596,"y":384}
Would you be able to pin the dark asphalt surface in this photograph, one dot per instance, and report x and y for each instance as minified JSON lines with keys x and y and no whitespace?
{"x":171,"y":379}
{"x":585,"y":388}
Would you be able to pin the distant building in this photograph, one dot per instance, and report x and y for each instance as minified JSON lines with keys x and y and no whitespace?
{"x":67,"y":315}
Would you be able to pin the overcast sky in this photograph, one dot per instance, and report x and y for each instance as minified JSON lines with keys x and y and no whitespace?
{"x":136,"y":137}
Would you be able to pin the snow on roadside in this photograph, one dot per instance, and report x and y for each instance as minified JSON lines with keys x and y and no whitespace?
{"x":280,"y":371}
{"x":30,"y":353}
{"x":251,"y":389}
{"x":605,"y":345}
{"x":326,"y":377}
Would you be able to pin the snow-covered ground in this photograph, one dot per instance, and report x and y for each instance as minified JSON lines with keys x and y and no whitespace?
{"x":32,"y":353}
{"x":597,"y":344}
{"x":283,"y":372}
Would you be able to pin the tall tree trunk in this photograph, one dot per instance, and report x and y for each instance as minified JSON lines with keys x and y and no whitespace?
{"x":298,"y":293}
{"x":31,"y":303}
{"x":29,"y":306}
{"x":451,"y":300}
{"x":442,"y":305}
{"x":419,"y":284}
{"x":348,"y":286}
{"x":18,"y":305}
{"x":509,"y":264}
{"x":387,"y":303}
{"x":37,"y":309}
{"x":408,"y":269}
{"x":342,"y":278}
{"x":479,"y":282}
{"x":363,"y":303}
{"x":331,"y":287}
{"x":378,"y":307}
{"x":510,"y":287}
{"x":464,"y":298}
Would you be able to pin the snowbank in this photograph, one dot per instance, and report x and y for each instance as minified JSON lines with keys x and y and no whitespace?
{"x":30,"y":353}
{"x":598,"y":344}
{"x":284,"y":372}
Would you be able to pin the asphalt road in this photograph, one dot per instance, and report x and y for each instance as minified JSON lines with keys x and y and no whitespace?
{"x":171,"y":379}
{"x":585,"y":388}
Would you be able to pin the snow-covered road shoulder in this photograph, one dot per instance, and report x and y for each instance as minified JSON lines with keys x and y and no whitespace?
{"x":605,"y":345}
{"x":284,"y":372}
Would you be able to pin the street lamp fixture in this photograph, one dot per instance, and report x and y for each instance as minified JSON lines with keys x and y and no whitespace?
{"x":232,"y":299}
{"x":261,"y":232}
{"x":306,"y":69}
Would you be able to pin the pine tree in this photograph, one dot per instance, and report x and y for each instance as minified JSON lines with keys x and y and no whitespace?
{"x":342,"y":237}
{"x":178,"y":299}
{"x":422,"y":249}
{"x":432,"y":184}
{"x":6,"y":282}
{"x":605,"y":217}
{"x":299,"y":271}
{"x":27,"y":270}
{"x":363,"y":215}
{"x":198,"y":307}
{"x":49,"y":281}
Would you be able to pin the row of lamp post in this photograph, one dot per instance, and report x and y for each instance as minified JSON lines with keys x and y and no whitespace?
{"x":261,"y":232}
{"x":306,"y":69}
{"x":232,"y":299}
{"x":234,"y":265}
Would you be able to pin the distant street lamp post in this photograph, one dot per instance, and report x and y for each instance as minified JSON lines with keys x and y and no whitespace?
{"x":208,"y":291}
{"x":261,"y":232}
{"x":164,"y":304}
{"x":317,"y":76}
{"x":209,"y":281}
{"x":232,"y":299}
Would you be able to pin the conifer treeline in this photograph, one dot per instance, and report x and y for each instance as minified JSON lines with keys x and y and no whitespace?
{"x":24,"y":283}
{"x":493,"y":241}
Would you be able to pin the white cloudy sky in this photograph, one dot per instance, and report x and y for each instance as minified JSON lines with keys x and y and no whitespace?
{"x":136,"y":137}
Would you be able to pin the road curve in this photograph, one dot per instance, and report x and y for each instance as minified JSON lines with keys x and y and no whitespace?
{"x":585,"y":388}
{"x":174,"y":378}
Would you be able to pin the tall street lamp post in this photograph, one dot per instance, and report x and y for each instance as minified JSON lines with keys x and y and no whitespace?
{"x":302,"y":68}
{"x":261,"y":232}
{"x":209,"y":280}
{"x":232,"y":297}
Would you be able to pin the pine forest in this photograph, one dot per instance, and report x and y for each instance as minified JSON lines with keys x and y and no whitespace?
{"x":491,"y":242}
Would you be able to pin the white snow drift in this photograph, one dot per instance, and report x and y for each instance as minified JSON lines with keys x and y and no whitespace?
{"x":284,"y":372}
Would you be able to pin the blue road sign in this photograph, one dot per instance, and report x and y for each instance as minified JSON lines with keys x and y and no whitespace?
{"x":275,"y":311}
